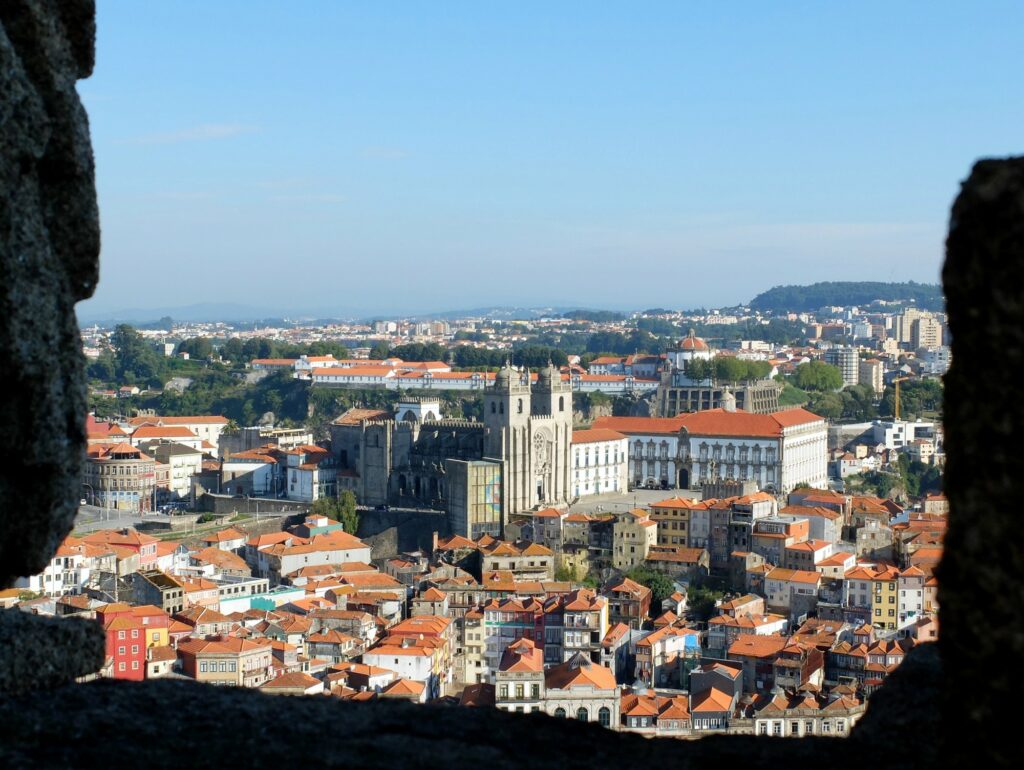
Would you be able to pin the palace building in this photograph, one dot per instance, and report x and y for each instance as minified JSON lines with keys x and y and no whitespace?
{"x":777,"y":451}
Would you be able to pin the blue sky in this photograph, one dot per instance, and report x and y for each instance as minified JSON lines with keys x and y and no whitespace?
{"x":352,"y":158}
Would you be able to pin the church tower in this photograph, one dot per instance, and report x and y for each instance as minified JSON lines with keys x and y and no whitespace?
{"x":507,"y":410}
{"x":552,"y":395}
{"x":551,"y":438}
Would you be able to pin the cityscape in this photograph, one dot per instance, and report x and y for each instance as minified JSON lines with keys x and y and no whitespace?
{"x":549,"y":385}
{"x":595,"y":515}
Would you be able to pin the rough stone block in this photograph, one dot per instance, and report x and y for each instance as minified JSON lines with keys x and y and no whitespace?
{"x":49,"y":248}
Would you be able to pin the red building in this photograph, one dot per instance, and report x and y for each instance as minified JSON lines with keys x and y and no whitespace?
{"x":126,"y":642}
{"x":129,"y":537}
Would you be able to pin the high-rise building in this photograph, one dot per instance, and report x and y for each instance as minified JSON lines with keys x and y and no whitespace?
{"x":870,"y":372}
{"x":847,"y":361}
{"x":926,"y":332}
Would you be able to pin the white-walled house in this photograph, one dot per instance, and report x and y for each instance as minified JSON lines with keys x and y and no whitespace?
{"x":599,"y":462}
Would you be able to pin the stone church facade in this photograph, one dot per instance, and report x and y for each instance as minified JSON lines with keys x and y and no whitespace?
{"x":516,"y":459}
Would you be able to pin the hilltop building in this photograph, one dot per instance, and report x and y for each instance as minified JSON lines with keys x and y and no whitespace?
{"x":678,"y":392}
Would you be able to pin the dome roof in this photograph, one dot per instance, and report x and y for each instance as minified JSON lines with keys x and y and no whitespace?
{"x":549,"y":373}
{"x":692,"y":342}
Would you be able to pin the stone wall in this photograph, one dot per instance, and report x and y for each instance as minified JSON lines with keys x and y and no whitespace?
{"x":389,"y":532}
{"x":981,"y":594}
{"x":49,"y":260}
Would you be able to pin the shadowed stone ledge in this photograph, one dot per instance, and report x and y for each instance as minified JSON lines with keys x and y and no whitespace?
{"x":981,"y":593}
{"x":41,"y":652}
{"x":174,"y":720}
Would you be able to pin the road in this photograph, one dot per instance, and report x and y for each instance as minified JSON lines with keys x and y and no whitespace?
{"x":91,"y":517}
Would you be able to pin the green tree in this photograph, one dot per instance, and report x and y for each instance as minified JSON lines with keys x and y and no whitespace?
{"x":104,"y":368}
{"x":135,"y":362}
{"x":659,"y":326}
{"x":233,"y":351}
{"x":817,"y":375}
{"x":341,"y":509}
{"x":348,"y":513}
{"x":326,"y":506}
{"x":729,"y":369}
{"x":567,"y":575}
{"x":858,"y":403}
{"x":792,"y":396}
{"x":698,"y":369}
{"x":916,"y":398}
{"x":700,"y":600}
{"x":828,"y":405}
{"x":380,"y":351}
{"x":661,"y":585}
{"x":196,"y":347}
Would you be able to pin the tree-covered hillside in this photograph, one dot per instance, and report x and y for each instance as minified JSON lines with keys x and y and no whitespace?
{"x":804,"y":298}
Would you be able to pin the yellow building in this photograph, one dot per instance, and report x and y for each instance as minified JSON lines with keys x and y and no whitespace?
{"x":633,"y":535}
{"x":575,"y":559}
{"x":473,"y":646}
{"x":673,"y":519}
{"x":884,"y":598}
{"x":156,"y":622}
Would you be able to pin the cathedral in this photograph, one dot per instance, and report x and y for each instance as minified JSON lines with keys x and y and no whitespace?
{"x":480,"y":473}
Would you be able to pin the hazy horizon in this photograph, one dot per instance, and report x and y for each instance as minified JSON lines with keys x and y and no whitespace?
{"x":377,"y":161}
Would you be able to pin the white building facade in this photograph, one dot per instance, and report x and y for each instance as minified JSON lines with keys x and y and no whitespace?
{"x":778,"y":451}
{"x":599,"y":462}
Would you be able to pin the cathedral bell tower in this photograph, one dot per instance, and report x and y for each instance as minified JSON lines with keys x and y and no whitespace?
{"x":507,"y":417}
{"x":552,"y":396}
{"x":551,"y":438}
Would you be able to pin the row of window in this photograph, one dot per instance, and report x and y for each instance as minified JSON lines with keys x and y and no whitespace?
{"x":777,"y":727}
{"x":121,"y":470}
{"x":604,"y":715}
{"x":519,"y":690}
{"x":214,"y":666}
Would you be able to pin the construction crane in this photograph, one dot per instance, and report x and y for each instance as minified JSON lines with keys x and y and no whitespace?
{"x":896,"y":385}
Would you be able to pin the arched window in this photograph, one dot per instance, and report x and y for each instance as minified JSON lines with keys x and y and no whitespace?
{"x":604,"y":716}
{"x":519,"y":406}
{"x":582,"y":714}
{"x":494,"y":407}
{"x":501,"y":408}
{"x":561,"y":403}
{"x":560,"y":712}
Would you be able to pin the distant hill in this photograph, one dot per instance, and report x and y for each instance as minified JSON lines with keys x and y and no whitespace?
{"x":804,"y":298}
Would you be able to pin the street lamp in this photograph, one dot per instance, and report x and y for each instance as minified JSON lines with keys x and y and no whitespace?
{"x":92,"y":491}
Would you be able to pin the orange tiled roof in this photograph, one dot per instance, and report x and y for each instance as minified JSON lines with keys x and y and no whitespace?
{"x":595,"y":435}
{"x":758,"y":646}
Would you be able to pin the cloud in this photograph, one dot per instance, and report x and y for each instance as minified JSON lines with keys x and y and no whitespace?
{"x":201,"y":133}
